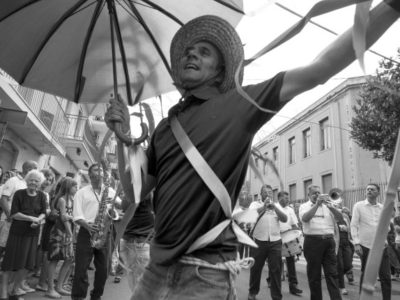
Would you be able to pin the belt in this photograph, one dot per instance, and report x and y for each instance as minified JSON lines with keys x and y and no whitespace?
{"x":319,"y":236}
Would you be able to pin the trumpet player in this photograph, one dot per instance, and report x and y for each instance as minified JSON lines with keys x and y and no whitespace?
{"x":266,"y":234}
{"x":87,"y":206}
{"x":319,"y":227}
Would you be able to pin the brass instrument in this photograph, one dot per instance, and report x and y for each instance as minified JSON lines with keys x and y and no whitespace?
{"x":104,"y":220}
{"x":334,"y":197}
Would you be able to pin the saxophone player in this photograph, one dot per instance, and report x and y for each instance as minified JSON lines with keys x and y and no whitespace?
{"x":89,"y":203}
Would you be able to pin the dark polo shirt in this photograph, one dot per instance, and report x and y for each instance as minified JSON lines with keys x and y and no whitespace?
{"x":222,"y":127}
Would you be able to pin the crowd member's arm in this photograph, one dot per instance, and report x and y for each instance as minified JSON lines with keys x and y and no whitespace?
{"x":338,"y":55}
{"x":5,"y":206}
{"x":308,"y":215}
{"x":16,"y":213}
{"x":5,"y":197}
{"x":282,"y":217}
{"x":354,"y":227}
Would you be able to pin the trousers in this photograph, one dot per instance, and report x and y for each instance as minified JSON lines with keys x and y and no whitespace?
{"x":83,"y":256}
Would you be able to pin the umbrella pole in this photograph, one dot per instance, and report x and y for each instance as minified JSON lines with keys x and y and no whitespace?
{"x":117,"y":127}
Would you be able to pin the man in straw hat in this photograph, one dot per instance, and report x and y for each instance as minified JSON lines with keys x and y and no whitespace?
{"x":190,"y":256}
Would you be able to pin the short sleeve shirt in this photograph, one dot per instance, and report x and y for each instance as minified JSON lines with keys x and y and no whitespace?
{"x":221,"y":127}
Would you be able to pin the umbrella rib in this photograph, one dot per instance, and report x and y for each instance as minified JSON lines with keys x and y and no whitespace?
{"x":123,"y":57}
{"x":18,"y":9}
{"x":162,"y":10}
{"x":48,"y":36}
{"x":148,"y":31}
{"x":229,"y":6}
{"x":79,"y":79}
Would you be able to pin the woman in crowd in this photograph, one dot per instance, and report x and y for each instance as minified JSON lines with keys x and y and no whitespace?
{"x":60,"y":242}
{"x":49,"y":222}
{"x":28,"y":210}
{"x":45,"y":187}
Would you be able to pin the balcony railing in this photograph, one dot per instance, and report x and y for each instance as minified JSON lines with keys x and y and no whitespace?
{"x":48,"y":108}
{"x":78,"y":128}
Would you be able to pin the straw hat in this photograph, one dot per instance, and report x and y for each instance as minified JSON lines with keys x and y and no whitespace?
{"x":214,"y":30}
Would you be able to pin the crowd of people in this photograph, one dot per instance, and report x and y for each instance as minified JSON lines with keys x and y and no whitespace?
{"x":197,"y":161}
{"x":45,"y":213}
{"x":331,"y":238}
{"x":39,"y":229}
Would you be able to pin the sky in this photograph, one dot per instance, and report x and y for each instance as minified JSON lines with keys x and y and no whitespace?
{"x":264,"y":21}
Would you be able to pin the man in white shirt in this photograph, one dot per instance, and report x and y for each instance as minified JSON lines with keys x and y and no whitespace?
{"x":14,"y":184}
{"x":266,"y":234}
{"x":319,"y":243}
{"x":290,"y":224}
{"x":86,"y":207}
{"x":363,"y":226}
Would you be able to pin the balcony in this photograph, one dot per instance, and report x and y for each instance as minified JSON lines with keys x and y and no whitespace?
{"x":79,"y":141}
{"x":44,"y":112}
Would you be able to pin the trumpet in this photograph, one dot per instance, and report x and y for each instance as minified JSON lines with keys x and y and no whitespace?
{"x":334,"y":197}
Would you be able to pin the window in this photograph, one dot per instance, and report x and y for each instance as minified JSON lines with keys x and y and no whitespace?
{"x":307,"y":183}
{"x":275,"y":153}
{"x":292,"y":150}
{"x":292,"y":192}
{"x":326,"y":183}
{"x":307,"y":142}
{"x":325,"y":135}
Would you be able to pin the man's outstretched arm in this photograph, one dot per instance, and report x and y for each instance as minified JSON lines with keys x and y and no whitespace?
{"x":339,"y":54}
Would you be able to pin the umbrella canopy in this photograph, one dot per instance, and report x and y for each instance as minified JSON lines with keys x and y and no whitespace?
{"x":64,"y":47}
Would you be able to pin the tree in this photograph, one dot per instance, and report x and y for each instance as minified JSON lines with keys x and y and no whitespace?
{"x":377,"y":113}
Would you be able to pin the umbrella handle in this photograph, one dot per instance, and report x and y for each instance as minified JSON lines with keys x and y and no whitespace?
{"x":126,"y":139}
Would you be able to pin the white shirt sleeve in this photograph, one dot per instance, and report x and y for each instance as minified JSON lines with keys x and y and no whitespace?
{"x":77,"y":210}
{"x":8,"y":188}
{"x":355,"y":223}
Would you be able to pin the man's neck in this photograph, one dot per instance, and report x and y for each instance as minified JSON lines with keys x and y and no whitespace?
{"x":372,"y":201}
{"x":96,"y":185}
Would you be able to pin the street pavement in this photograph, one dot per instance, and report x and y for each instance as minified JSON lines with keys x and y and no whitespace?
{"x":117,"y":291}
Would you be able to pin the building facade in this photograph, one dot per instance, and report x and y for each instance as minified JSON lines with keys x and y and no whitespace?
{"x":58,"y":134}
{"x":315,"y":148}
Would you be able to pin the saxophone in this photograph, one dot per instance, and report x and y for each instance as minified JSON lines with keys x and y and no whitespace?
{"x":103,"y":220}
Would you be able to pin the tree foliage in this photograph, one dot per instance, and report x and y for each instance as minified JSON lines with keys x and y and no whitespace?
{"x":377,"y":111}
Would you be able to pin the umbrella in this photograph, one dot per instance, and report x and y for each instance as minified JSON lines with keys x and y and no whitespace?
{"x":83,"y":50}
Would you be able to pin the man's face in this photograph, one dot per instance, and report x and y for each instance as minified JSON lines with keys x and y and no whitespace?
{"x":26,"y":168}
{"x":284,"y":200}
{"x":266,"y":192}
{"x":200,"y":63}
{"x":372,"y":192}
{"x":96,"y":173}
{"x":314,"y":193}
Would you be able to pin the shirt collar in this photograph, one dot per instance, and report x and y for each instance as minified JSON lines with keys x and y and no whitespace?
{"x":367,"y":203}
{"x":202,"y":92}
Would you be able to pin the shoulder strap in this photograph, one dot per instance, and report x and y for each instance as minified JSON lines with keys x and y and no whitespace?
{"x":214,"y":184}
{"x":202,"y":168}
{"x":255,"y":224}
